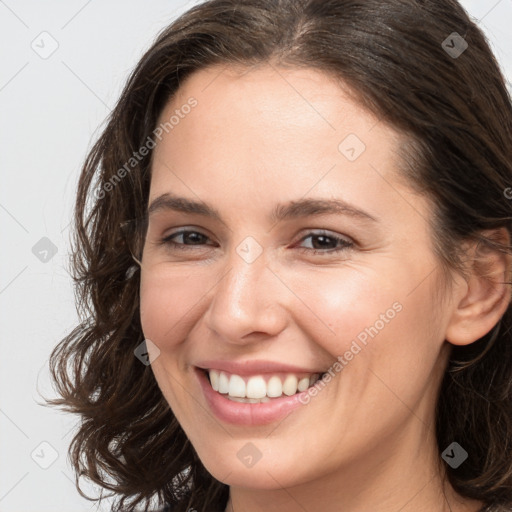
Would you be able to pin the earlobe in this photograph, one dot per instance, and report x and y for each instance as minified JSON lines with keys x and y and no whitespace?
{"x":487,"y":291}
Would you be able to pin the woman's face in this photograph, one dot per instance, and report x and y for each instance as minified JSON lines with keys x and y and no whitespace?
{"x":274,"y":282}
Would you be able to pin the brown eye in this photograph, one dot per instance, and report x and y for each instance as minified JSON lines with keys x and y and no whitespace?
{"x":184,"y":239}
{"x":326,"y":243}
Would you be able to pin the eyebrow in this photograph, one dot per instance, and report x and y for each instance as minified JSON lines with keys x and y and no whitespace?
{"x":283,"y":211}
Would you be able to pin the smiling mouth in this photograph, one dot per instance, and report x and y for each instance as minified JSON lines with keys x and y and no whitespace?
{"x":260,"y":388}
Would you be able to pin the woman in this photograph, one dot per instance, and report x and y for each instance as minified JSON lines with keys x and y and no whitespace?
{"x":293,"y":246}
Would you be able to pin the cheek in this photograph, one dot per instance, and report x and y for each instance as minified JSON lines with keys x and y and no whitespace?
{"x":373,"y":320}
{"x":169,"y":306}
{"x":342,"y":305}
{"x":384,"y":350}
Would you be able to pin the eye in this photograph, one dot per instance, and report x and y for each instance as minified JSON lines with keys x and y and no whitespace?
{"x":321,"y":242}
{"x":189,"y":239}
{"x":326,"y":243}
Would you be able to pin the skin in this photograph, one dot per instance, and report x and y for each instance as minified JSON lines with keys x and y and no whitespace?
{"x":266,"y":135}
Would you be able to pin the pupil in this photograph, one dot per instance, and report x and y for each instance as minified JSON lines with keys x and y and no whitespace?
{"x":322,"y":238}
{"x":195,"y":238}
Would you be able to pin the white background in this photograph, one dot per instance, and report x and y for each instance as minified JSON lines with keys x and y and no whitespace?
{"x":51,"y":111}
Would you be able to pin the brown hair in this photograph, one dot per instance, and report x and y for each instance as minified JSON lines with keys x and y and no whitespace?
{"x":456,"y":114}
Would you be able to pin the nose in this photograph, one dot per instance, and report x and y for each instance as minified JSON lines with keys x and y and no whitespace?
{"x":248,"y":302}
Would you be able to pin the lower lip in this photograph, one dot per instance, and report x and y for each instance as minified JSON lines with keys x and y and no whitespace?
{"x":247,"y":414}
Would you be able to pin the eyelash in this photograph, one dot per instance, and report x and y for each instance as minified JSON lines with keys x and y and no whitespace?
{"x":345,"y":244}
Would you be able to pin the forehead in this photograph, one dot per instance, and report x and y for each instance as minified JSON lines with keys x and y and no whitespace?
{"x":262,"y":135}
{"x":290,"y":103}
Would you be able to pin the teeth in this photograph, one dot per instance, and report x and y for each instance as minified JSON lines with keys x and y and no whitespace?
{"x":302,"y":385}
{"x":290,"y":385}
{"x":250,"y":400}
{"x":274,"y":387}
{"x":257,"y":389}
{"x":214,"y":379}
{"x":237,"y":386}
{"x":223,"y":383}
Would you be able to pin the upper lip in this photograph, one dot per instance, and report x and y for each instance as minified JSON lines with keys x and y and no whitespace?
{"x":253,"y":367}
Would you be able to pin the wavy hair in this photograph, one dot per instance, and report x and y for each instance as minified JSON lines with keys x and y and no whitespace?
{"x":456,"y":115}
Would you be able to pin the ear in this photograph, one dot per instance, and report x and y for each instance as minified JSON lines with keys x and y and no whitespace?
{"x":485,"y":295}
